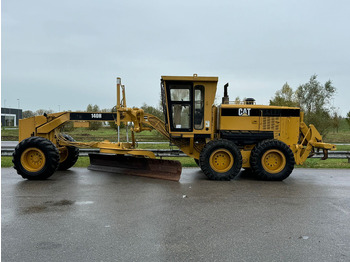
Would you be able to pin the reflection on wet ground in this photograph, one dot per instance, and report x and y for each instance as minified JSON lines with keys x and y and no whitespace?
{"x":82,"y":215}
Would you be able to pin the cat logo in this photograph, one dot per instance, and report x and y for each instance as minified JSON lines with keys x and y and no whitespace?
{"x":244,"y":111}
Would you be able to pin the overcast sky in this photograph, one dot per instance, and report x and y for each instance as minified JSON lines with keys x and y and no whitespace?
{"x":66,"y":54}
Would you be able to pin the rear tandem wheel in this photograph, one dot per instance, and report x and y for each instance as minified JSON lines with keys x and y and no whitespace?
{"x":272,"y":160}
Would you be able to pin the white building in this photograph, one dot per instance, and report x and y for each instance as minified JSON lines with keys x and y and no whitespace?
{"x":10,"y":116}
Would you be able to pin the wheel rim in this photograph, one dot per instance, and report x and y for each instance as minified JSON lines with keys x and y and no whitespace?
{"x":221,"y":160}
{"x":63,"y":154}
{"x":273,"y":161}
{"x":33,"y":159}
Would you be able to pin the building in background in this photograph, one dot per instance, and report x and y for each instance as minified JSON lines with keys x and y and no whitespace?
{"x":10,"y":116}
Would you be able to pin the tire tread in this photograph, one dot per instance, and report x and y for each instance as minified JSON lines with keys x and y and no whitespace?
{"x":257,"y":152}
{"x":51,"y":157}
{"x":209,"y":148}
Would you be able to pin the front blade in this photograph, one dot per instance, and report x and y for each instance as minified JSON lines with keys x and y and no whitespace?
{"x":136,"y":166}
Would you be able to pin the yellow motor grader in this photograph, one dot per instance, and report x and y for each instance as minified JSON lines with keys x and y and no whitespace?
{"x":223,"y":139}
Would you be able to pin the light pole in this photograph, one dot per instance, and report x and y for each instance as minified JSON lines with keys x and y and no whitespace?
{"x":18,"y":102}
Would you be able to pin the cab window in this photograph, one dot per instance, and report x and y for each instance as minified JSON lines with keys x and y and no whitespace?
{"x":199,"y":107}
{"x":180,"y":106}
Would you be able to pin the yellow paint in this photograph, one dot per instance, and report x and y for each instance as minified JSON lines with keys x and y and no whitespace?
{"x":53,"y":124}
{"x":63,"y":153}
{"x":273,"y":161}
{"x":239,"y":123}
{"x":81,"y":124}
{"x":33,"y":159}
{"x":245,"y":158}
{"x":221,"y":160}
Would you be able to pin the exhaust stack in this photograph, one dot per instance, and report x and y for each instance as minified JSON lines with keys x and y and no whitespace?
{"x":225,"y":99}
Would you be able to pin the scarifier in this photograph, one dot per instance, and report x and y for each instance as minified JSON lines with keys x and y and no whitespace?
{"x":267,"y":140}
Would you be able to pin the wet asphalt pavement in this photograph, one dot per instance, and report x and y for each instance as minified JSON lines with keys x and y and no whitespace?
{"x":82,"y":215}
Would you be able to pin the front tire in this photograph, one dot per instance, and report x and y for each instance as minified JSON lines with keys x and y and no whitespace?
{"x":35,"y":158}
{"x":220,"y":160}
{"x":197,"y":162}
{"x":68,"y":155}
{"x":272,"y":160}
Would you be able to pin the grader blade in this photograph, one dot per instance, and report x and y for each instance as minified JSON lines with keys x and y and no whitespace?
{"x":136,"y":166}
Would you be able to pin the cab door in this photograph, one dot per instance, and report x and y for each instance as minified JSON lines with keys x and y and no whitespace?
{"x":180,"y":106}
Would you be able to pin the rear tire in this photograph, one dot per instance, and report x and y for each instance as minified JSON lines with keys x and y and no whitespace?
{"x":35,"y":158}
{"x":272,"y":160}
{"x":220,"y":160}
{"x":68,"y":155}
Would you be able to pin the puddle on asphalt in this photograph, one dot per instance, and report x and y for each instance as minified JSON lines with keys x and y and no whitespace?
{"x":46,"y":206}
{"x":53,"y":206}
{"x":34,"y":209}
{"x":63,"y":202}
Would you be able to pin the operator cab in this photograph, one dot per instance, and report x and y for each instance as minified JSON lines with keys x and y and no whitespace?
{"x":184,"y":100}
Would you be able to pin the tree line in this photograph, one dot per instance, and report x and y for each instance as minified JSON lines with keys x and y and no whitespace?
{"x":315,"y":100}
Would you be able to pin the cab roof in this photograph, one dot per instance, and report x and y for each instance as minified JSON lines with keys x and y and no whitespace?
{"x":195,"y":77}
